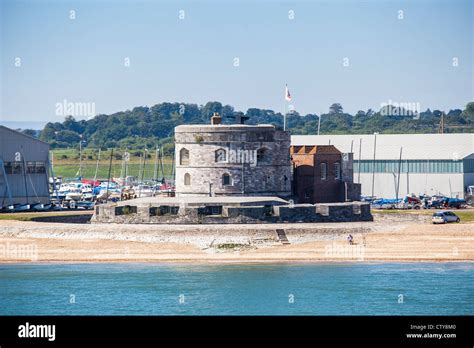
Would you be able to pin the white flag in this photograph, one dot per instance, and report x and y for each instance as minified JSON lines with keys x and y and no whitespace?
{"x":287,"y":94}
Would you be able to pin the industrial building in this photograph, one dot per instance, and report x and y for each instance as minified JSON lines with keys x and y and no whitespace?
{"x":387,"y":164}
{"x":23,"y":169}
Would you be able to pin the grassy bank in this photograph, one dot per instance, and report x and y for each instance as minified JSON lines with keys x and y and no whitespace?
{"x":66,"y":164}
{"x":70,"y":170}
{"x":41,"y":215}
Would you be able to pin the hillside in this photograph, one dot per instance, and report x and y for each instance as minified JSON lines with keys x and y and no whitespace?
{"x":151,"y":126}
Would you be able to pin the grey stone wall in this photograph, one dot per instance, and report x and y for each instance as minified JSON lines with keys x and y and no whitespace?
{"x":353,"y":191}
{"x":324,"y":212}
{"x":396,"y":217}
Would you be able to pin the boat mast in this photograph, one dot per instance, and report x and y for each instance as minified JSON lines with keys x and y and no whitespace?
{"x":108,"y":178}
{"x":7,"y":186}
{"x":173,"y":169}
{"x":126,"y":159}
{"x":155,"y":169}
{"x":55,"y":188}
{"x":122,"y":166}
{"x":162,"y":166}
{"x":139,"y":168}
{"x":24,"y":174}
{"x":145,"y":155}
{"x":80,"y":156}
{"x":97,"y":165}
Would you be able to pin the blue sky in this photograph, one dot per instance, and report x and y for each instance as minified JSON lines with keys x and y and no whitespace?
{"x":192,"y":59}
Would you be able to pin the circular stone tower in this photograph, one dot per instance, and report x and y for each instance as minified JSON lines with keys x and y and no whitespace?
{"x":237,"y":160}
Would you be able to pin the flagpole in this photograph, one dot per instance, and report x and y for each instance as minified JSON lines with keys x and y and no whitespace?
{"x":284,"y":116}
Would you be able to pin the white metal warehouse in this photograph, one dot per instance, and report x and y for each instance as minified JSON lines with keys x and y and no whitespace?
{"x":23,"y":169}
{"x":430,"y":163}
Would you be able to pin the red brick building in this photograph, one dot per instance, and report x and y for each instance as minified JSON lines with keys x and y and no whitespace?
{"x":322,"y":174}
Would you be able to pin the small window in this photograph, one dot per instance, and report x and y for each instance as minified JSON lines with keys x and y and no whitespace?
{"x":17,"y":168}
{"x":324,"y":171}
{"x":184,"y":157}
{"x":337,"y":171}
{"x":30,"y":167}
{"x":216,"y":210}
{"x":125,"y":210}
{"x":221,"y":156}
{"x":226,"y":180}
{"x":164,"y":210}
{"x":40,"y":168}
{"x":268,"y":210}
{"x":187,"y":179}
{"x":263,"y":155}
{"x":210,"y":210}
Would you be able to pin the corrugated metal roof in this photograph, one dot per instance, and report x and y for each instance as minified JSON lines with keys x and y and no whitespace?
{"x":23,"y":134}
{"x":13,"y":142}
{"x":415,"y":146}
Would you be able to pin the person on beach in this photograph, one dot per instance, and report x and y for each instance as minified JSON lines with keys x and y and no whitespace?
{"x":350,"y":239}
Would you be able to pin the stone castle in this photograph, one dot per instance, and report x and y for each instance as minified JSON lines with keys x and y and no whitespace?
{"x":238,"y":174}
{"x":229,"y":160}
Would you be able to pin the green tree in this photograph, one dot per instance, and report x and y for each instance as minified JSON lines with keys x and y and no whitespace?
{"x":336,"y":108}
{"x":30,"y":132}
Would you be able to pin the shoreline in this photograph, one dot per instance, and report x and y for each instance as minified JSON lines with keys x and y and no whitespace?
{"x":230,"y":262}
{"x":383,"y":241}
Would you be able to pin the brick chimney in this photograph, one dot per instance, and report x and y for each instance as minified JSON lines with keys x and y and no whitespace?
{"x":216,"y":119}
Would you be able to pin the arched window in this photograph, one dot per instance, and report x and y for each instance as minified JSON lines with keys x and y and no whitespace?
{"x":187,"y":179}
{"x":265,"y":181}
{"x":263,"y":155}
{"x":184,"y":157}
{"x":337,"y":171}
{"x":221,"y":155}
{"x":324,"y":171}
{"x":226,"y":179}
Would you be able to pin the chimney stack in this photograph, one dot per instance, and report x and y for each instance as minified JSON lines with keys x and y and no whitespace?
{"x":216,"y":119}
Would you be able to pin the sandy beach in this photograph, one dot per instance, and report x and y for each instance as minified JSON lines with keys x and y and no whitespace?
{"x":27,"y":241}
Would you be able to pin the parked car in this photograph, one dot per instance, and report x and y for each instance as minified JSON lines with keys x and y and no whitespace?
{"x":443,"y":217}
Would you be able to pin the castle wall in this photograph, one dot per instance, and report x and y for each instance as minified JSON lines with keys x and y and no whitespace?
{"x":252,"y":173}
{"x":329,"y":212}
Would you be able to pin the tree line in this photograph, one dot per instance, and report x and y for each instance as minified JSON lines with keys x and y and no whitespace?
{"x":154,"y":126}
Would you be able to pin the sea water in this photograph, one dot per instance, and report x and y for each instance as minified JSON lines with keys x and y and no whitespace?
{"x":238,"y":289}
